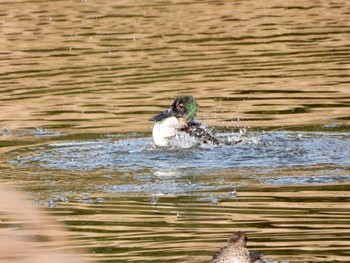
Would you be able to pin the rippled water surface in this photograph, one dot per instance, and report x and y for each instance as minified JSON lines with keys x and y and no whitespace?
{"x":79,"y":80}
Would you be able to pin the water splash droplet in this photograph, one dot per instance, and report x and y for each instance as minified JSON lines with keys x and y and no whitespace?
{"x":51,"y":203}
{"x":153,"y":200}
{"x":233,"y":193}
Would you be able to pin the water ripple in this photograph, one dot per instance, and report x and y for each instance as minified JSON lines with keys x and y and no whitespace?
{"x":269,"y":149}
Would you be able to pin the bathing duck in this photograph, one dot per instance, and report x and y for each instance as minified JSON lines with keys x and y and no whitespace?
{"x":180,"y":117}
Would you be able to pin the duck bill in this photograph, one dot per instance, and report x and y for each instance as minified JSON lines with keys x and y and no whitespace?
{"x":163,"y":115}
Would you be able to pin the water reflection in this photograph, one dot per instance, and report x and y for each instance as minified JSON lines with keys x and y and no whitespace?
{"x":183,"y":229}
{"x":96,"y":66}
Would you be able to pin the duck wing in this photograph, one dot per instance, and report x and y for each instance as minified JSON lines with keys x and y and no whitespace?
{"x":256,"y":257}
{"x":200,"y":131}
{"x":219,"y":253}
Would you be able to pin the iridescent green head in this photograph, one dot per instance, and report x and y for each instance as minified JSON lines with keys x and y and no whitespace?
{"x":186,"y":107}
{"x":183,"y":106}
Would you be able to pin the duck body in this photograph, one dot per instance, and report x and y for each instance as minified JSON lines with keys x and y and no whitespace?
{"x":179,"y":118}
{"x":166,"y":129}
{"x":236,"y":252}
{"x":171,"y":127}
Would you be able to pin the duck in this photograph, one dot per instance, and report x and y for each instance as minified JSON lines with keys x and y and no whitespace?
{"x":180,"y":118}
{"x":236,"y":252}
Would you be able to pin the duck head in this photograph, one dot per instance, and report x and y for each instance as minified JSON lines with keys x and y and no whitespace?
{"x":238,"y":239}
{"x":182,"y":107}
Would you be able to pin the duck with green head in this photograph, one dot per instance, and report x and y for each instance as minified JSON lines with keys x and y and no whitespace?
{"x":180,"y":117}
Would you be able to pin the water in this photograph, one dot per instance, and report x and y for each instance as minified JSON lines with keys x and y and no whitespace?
{"x":79,"y":80}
